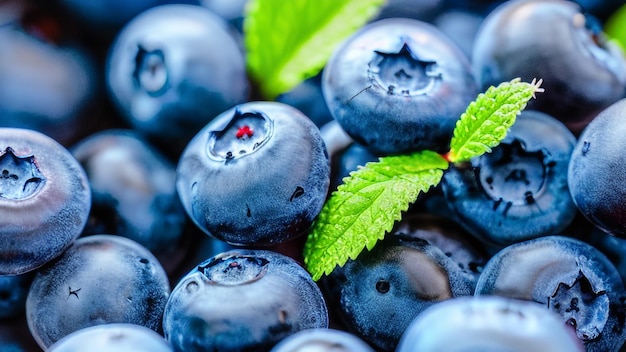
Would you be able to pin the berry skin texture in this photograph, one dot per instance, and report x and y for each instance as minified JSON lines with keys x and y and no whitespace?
{"x":257,"y":175}
{"x":488,"y":323}
{"x":100,"y":279}
{"x":398,"y":85}
{"x":566,"y":276}
{"x":519,"y":190}
{"x":242,"y":300}
{"x":44,"y":200}
{"x":553,"y":40}
{"x":597,"y":171}
{"x":118,"y":337}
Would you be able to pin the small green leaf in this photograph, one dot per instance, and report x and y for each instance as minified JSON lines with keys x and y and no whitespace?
{"x":291,"y":40}
{"x":364,"y":208}
{"x":487,"y":120}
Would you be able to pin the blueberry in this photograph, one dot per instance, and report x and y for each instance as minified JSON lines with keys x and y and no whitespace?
{"x":488,"y":323}
{"x":597,"y":176}
{"x":13,"y":291}
{"x":308,"y":98}
{"x":422,"y":262}
{"x":15,"y":336}
{"x":258,"y":174}
{"x":242,"y":300}
{"x":100,"y":279}
{"x":461,"y":27}
{"x":553,"y":40}
{"x":172,"y":69}
{"x":348,"y":160}
{"x":112,"y":337}
{"x":322,"y":340}
{"x":613,"y":247}
{"x":49,"y":80}
{"x":519,"y":190}
{"x":233,"y":11}
{"x":566,"y":276}
{"x":105,"y":18}
{"x":398,"y":85}
{"x":44,"y":200}
{"x":424,"y":10}
{"x":133,"y":191}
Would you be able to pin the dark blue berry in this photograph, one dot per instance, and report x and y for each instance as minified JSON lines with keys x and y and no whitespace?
{"x":567,"y":276}
{"x":597,"y":175}
{"x":100,"y":279}
{"x":44,"y":200}
{"x":519,"y":190}
{"x":398,"y":85}
{"x":582,"y":72}
{"x":172,"y":69}
{"x":256,"y":175}
{"x":242,"y":300}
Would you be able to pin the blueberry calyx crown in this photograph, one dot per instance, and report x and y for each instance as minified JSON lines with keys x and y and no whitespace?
{"x":244,"y":134}
{"x":582,"y":307}
{"x":20,"y":178}
{"x":233,"y":270}
{"x":151,"y":74}
{"x":513,"y":175}
{"x":403,"y":73}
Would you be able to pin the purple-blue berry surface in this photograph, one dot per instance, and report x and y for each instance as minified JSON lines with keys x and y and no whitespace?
{"x":257,"y":175}
{"x":100,"y":279}
{"x":566,"y":276}
{"x":112,"y":337}
{"x":398,"y":85}
{"x":597,"y":176}
{"x":242,"y":300}
{"x":519,"y":190}
{"x":173,"y":68}
{"x":44,"y":200}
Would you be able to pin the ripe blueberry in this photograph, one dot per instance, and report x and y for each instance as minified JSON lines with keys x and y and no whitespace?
{"x":44,"y":200}
{"x":553,"y":40}
{"x":322,"y":340}
{"x":172,"y":69}
{"x":48,"y":83}
{"x":597,"y":171}
{"x":519,"y":190}
{"x":488,"y":323}
{"x":567,"y":276}
{"x":258,"y":174}
{"x":118,"y":337}
{"x":133,"y":190}
{"x":398,"y":85}
{"x":242,"y":300}
{"x":100,"y":279}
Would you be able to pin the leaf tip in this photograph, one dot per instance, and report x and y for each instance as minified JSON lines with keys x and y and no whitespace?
{"x":536,"y":85}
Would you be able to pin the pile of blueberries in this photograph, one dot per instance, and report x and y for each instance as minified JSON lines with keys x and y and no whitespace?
{"x":151,"y":199}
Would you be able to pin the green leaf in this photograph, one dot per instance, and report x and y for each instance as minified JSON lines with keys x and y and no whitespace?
{"x":487,"y":120}
{"x":291,"y":40}
{"x":366,"y":206}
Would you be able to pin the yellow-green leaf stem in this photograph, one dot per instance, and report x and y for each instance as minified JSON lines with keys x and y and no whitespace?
{"x":487,"y":119}
{"x":366,"y":206}
{"x":291,"y":40}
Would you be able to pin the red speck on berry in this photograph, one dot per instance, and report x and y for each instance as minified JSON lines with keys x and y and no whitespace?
{"x":244,"y":131}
